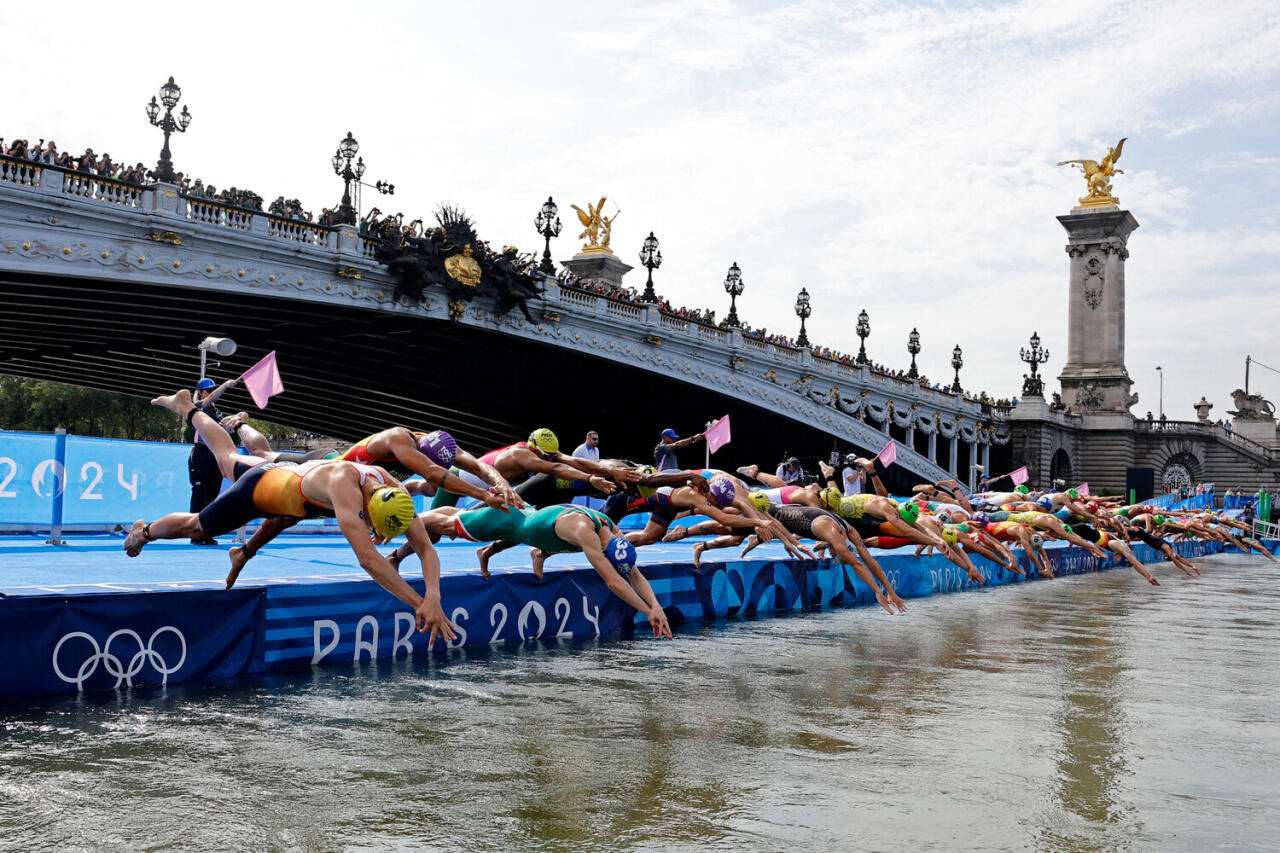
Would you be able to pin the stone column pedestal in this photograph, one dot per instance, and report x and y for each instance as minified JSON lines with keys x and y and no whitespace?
{"x":598,"y":265}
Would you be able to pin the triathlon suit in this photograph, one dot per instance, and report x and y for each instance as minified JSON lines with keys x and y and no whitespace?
{"x":1027,"y":518}
{"x":1149,"y":538}
{"x":949,"y":513}
{"x":444,"y":497}
{"x":546,"y":489}
{"x":1089,"y":533}
{"x":798,"y":519}
{"x":1003,"y":531}
{"x":866,"y":525}
{"x":270,"y":490}
{"x":782,"y":495}
{"x":888,"y":543}
{"x":533,"y":527}
{"x":359,"y":452}
{"x":658,"y":505}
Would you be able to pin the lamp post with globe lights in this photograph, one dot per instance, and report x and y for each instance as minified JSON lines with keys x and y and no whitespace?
{"x":170,"y":94}
{"x":651,"y":257}
{"x":1033,"y":385}
{"x":913,"y":347}
{"x":957,"y":362}
{"x":864,"y":332}
{"x":733,"y":286}
{"x":342,"y":167}
{"x":547,"y":223}
{"x":803,"y":310}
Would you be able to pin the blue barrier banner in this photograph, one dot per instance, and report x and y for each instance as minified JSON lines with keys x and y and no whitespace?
{"x":30,"y":478}
{"x":92,"y":642}
{"x":113,"y":482}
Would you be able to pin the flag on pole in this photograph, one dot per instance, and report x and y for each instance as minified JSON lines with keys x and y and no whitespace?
{"x":1084,"y":489}
{"x":1019,"y":476}
{"x":889,"y":454}
{"x":717,"y":435}
{"x":263,"y":380}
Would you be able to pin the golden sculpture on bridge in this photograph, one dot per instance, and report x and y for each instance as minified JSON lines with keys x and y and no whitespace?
{"x":597,"y":228}
{"x":1098,"y":177}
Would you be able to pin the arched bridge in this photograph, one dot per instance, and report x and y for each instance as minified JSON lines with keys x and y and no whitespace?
{"x":112,"y":286}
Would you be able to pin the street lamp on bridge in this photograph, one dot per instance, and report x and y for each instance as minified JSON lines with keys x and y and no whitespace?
{"x":803,"y":311}
{"x":1033,"y":385}
{"x":957,"y":361}
{"x":170,"y":94}
{"x":547,"y":223}
{"x":651,"y":257}
{"x":341,"y":160}
{"x":913,"y":347}
{"x":864,"y":332}
{"x":733,"y":286}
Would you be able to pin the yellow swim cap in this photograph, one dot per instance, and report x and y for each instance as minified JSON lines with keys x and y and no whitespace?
{"x":949,"y":535}
{"x":390,"y":511}
{"x":545,"y":440}
{"x":759,"y":500}
{"x":831,"y":496}
{"x":647,"y":491}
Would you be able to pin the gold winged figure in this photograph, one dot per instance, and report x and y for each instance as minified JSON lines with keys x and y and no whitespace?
{"x":593,"y":222}
{"x":1098,"y":177}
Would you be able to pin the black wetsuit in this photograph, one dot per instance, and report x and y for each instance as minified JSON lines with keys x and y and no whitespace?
{"x":1141,"y":534}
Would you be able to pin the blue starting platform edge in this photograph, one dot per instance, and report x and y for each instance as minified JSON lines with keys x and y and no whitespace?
{"x":83,"y":616}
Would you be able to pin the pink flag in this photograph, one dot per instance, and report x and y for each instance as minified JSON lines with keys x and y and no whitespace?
{"x":1019,"y":476}
{"x":889,"y":454}
{"x":1084,"y":489}
{"x":718,"y":434}
{"x":263,"y":380}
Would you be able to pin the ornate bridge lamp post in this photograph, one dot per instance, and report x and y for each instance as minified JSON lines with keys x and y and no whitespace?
{"x":957,"y":362}
{"x":651,"y":257}
{"x":913,"y":347}
{"x":803,"y":311}
{"x":864,"y":332}
{"x":170,"y":94}
{"x":547,"y":222}
{"x":341,"y":160}
{"x":1033,"y":385}
{"x":733,"y":286}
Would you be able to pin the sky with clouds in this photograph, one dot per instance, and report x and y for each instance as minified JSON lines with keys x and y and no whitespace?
{"x":893,"y":156}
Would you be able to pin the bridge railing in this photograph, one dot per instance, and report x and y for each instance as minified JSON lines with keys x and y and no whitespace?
{"x":298,"y":230}
{"x":16,"y":171}
{"x":101,"y":188}
{"x":212,"y":212}
{"x":1202,"y":428}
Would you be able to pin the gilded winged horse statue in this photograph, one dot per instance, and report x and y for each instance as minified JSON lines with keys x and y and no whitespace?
{"x":1098,"y":177}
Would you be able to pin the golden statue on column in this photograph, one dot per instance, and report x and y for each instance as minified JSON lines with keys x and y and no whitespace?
{"x":1098,"y":177}
{"x":597,"y":228}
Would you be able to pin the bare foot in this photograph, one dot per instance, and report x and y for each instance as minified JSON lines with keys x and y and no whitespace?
{"x":675,"y":534}
{"x":827,"y":471}
{"x":483,"y":554}
{"x":238,"y":558}
{"x":749,"y":471}
{"x":179,"y":402}
{"x":697,"y":554}
{"x":137,"y":538}
{"x":538,"y":558}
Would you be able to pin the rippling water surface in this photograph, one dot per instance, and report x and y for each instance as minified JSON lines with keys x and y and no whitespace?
{"x":1091,"y":713}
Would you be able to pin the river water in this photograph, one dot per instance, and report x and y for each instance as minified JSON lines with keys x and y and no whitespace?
{"x":1088,"y":713}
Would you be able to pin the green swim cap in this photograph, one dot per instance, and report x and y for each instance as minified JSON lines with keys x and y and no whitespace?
{"x":333,"y":454}
{"x":909,"y":511}
{"x":1074,"y":494}
{"x":1159,"y":519}
{"x":1067,"y":528}
{"x":1022,"y":490}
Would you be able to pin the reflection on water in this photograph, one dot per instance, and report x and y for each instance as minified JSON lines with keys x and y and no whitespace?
{"x":1090,"y":713}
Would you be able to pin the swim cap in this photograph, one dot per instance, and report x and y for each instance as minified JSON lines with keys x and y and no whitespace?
{"x":1092,"y":506}
{"x":439,"y":447}
{"x":759,"y":500}
{"x":1044,"y":502}
{"x":723,"y":491}
{"x":390,"y":511}
{"x":1037,"y":541}
{"x":545,"y":440}
{"x":1067,"y":528}
{"x":831,"y":497}
{"x":647,"y":491}
{"x":981,"y":519}
{"x":1160,"y":519}
{"x":909,"y":511}
{"x":949,"y":535}
{"x":621,"y":554}
{"x":1073,"y":493}
{"x":333,"y":454}
{"x":1022,"y":490}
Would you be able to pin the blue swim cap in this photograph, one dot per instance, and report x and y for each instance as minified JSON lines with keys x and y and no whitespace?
{"x":1044,"y":502}
{"x":621,"y":554}
{"x":723,"y":491}
{"x":439,"y":447}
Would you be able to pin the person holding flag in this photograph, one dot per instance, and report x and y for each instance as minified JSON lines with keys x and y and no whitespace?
{"x":664,"y":455}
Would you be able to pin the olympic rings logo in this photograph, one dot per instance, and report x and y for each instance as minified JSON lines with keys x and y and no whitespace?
{"x":114,"y":665}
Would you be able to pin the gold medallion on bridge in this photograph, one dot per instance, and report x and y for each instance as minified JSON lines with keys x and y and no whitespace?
{"x":463,"y":268}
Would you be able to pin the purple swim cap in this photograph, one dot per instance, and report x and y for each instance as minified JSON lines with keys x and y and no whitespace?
{"x":723,"y":491}
{"x":981,"y":519}
{"x":439,"y":447}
